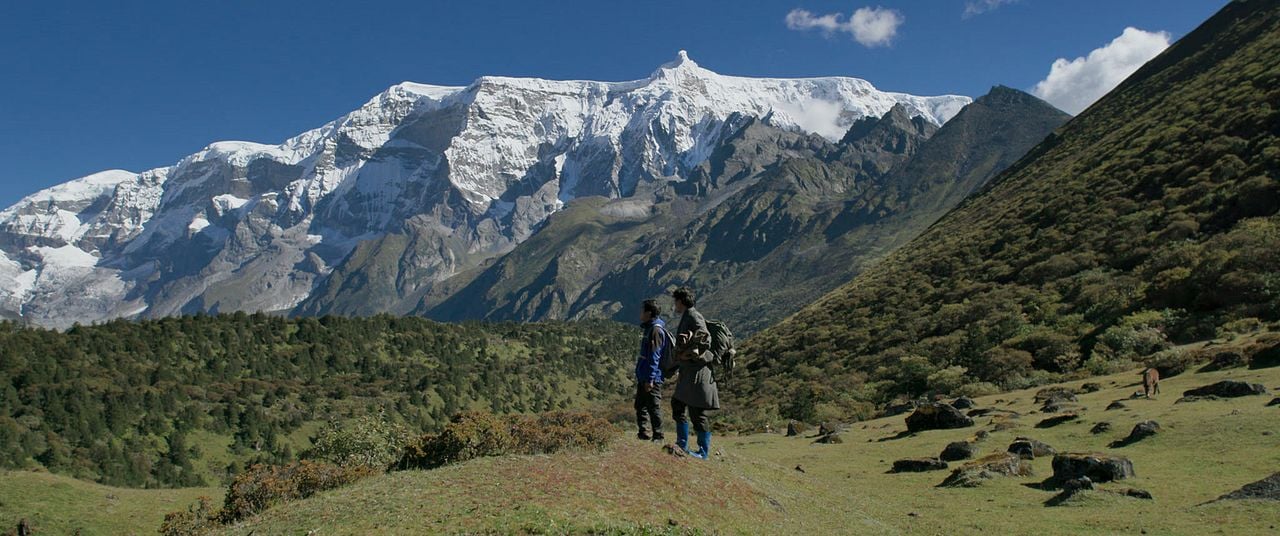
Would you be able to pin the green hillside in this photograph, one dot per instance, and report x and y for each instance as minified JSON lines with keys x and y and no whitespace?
{"x":190,"y":401}
{"x":1147,"y":221}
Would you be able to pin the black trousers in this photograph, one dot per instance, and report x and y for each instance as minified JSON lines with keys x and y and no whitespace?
{"x":648,"y":412}
{"x":697,"y":415}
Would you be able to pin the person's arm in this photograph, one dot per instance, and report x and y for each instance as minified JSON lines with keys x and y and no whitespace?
{"x":656,"y":339}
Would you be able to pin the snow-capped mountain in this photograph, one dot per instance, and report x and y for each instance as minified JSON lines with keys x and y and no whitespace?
{"x":468,"y":171}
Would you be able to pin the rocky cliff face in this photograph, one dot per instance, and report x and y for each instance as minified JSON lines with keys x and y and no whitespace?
{"x":431,"y":181}
{"x":770,"y":221}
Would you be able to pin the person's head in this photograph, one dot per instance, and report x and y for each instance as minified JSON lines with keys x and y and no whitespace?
{"x":683,"y":298}
{"x":649,"y":311}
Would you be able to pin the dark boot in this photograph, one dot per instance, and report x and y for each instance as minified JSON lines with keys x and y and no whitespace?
{"x":682,"y":436}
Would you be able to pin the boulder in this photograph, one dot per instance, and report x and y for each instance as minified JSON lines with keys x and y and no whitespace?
{"x":917,"y":465}
{"x":1029,"y":449}
{"x":1137,"y":493}
{"x":1054,"y":406}
{"x":972,"y":474}
{"x":1140,"y":431}
{"x":832,"y":438}
{"x":978,"y":412}
{"x":1274,"y":402}
{"x":1091,"y":387}
{"x":1070,"y":489}
{"x":1225,"y":359}
{"x":981,"y":435}
{"x":1265,"y":489}
{"x":1061,"y":394}
{"x":897,"y":408}
{"x":1116,"y":405}
{"x":1227,"y":389}
{"x":1097,"y":466}
{"x":1100,"y":428}
{"x":958,"y":450}
{"x":937,"y":416}
{"x":1057,"y":419}
{"x":963,"y":402}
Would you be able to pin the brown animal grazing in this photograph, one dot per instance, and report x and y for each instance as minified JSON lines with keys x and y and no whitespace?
{"x":1150,"y":382}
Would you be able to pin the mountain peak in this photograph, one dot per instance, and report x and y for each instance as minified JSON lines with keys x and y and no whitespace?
{"x":682,"y":64}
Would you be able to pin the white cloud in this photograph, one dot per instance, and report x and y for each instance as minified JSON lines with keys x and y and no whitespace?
{"x":978,"y":7}
{"x":870,"y":26}
{"x":1072,"y":85}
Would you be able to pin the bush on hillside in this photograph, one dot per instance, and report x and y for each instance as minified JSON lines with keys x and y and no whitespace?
{"x":372,"y":440}
{"x":199,"y":518}
{"x":1173,"y":362}
{"x":477,"y":434}
{"x":264,"y":486}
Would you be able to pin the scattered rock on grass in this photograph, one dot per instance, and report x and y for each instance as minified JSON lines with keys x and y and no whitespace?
{"x":1115,"y":405}
{"x":1223,"y":360}
{"x":972,"y":474}
{"x":963,"y":402}
{"x":1055,"y":393}
{"x":1100,"y":428}
{"x":917,"y":465}
{"x":1140,"y":431}
{"x":897,"y":408}
{"x":1227,"y":389}
{"x":1070,"y":489}
{"x":1091,"y":387}
{"x":1265,"y":489}
{"x":958,"y":450}
{"x":1057,"y":419}
{"x":1137,"y":493}
{"x":1029,"y":449}
{"x":937,"y":416}
{"x":675,"y":451}
{"x":832,"y":438}
{"x":1097,"y":466}
{"x":1274,"y":402}
{"x":979,"y":412}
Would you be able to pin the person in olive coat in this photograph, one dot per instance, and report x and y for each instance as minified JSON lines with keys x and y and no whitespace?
{"x":696,"y":391}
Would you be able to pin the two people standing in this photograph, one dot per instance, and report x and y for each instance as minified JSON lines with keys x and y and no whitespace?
{"x":686,"y":355}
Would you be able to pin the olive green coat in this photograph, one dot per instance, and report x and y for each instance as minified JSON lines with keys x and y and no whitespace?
{"x":695,"y":385}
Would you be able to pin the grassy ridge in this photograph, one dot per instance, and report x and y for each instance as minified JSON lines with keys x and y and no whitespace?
{"x":752,"y":486}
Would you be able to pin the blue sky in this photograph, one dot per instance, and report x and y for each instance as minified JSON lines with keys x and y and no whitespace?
{"x":91,"y":85}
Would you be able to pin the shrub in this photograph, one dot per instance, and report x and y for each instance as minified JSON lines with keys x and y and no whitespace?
{"x":1172,"y":362}
{"x":196,"y":519}
{"x":478,"y":434}
{"x":264,"y":486}
{"x":948,"y":379}
{"x":1128,"y":342}
{"x":371,"y":440}
{"x":977,"y":389}
{"x":546,"y":433}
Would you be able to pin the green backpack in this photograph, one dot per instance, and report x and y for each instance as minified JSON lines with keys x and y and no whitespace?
{"x":721,"y":345}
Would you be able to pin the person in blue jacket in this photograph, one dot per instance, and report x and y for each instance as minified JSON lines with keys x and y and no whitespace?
{"x":653,"y":343}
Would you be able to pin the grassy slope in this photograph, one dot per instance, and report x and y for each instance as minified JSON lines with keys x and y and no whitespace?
{"x":1206,"y":449}
{"x":56,"y":504}
{"x":1161,"y":196}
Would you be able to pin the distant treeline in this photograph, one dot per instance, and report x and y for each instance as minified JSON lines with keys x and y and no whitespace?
{"x":119,"y":402}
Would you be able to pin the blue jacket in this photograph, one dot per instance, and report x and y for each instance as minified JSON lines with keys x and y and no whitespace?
{"x":652,"y":344}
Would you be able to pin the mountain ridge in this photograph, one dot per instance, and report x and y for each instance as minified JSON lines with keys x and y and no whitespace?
{"x":470,"y":171}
